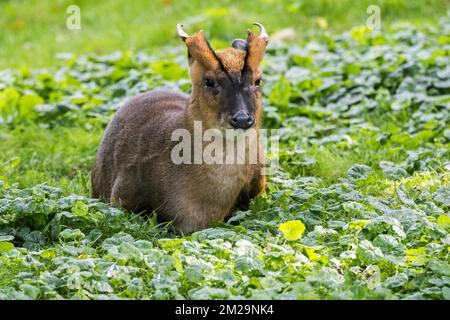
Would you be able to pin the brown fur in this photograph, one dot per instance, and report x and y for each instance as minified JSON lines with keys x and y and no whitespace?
{"x":134,"y":169}
{"x":232,"y":59}
{"x":200,"y":50}
{"x":256,"y":46}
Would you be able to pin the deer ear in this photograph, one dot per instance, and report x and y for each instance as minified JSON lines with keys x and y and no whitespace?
{"x":256,"y":47}
{"x":199,"y":49}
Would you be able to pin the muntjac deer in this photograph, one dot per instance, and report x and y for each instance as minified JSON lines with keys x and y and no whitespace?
{"x":134,"y":167}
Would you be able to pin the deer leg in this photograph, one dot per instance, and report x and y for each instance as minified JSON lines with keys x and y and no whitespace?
{"x":256,"y":186}
{"x":123,"y":194}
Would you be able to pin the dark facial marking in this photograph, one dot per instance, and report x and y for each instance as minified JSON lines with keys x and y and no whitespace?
{"x":238,"y":99}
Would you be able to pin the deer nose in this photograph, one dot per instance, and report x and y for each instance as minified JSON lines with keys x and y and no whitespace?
{"x":242,"y":120}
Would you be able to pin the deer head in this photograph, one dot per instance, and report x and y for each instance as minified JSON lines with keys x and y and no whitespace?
{"x":226,"y":84}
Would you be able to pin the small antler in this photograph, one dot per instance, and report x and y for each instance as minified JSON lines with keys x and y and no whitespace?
{"x":262,"y":31}
{"x":183,"y":35}
{"x":256,"y":46}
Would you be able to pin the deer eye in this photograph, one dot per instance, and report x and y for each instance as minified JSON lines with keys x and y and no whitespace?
{"x":258,"y":82}
{"x":209,"y":83}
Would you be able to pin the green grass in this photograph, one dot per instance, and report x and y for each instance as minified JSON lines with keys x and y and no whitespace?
{"x":34,"y":31}
{"x":61,"y":156}
{"x":8,"y":272}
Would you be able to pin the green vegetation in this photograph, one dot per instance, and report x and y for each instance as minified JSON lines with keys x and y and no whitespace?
{"x":359,"y":208}
{"x":34,"y":31}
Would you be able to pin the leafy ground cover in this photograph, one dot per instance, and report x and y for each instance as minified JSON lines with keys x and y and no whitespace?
{"x":359,"y":208}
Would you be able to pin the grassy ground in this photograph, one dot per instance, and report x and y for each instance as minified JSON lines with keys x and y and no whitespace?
{"x":34,"y":31}
{"x":60,"y":157}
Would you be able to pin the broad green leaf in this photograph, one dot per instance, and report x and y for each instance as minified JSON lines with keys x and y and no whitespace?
{"x":442,"y":195}
{"x":443,"y":220}
{"x":446,"y":293}
{"x":6,"y":238}
{"x":6,"y":246}
{"x":28,"y":103}
{"x":358,"y":172}
{"x":416,"y":255}
{"x":358,"y":224}
{"x":367,"y":253}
